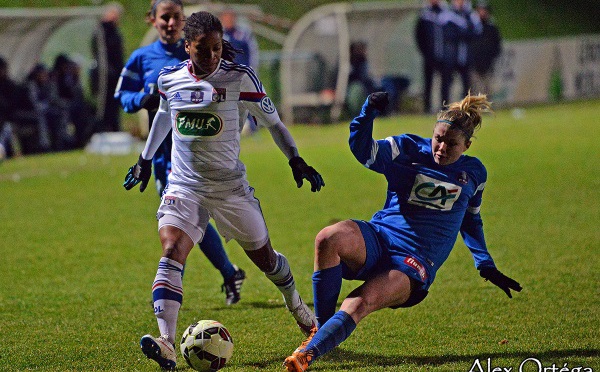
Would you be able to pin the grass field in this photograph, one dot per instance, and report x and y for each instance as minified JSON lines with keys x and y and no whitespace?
{"x":80,"y":253}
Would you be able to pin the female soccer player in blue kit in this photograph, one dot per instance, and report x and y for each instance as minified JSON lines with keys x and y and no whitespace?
{"x":137,"y":89}
{"x":201,"y":103}
{"x":434,"y":192}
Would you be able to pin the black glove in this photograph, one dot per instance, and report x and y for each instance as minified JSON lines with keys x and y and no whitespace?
{"x":139,"y":172}
{"x":378,"y":101}
{"x":150,"y":102}
{"x":498,"y":279}
{"x":301,"y":170}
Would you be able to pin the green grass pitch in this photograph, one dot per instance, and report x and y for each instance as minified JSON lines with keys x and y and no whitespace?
{"x":79,"y":255}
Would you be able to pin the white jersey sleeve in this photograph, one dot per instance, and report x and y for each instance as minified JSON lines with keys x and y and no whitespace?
{"x":254,"y":99}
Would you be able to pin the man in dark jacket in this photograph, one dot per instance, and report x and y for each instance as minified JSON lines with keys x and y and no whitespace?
{"x":460,"y":25}
{"x":485,"y":49}
{"x":430,"y":41}
{"x":110,"y":63}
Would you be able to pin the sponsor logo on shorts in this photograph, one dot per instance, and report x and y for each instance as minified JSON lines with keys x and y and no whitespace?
{"x":267,"y":105}
{"x":433,"y":194}
{"x":169,"y":200}
{"x":410,"y":261}
{"x":198,"y":124}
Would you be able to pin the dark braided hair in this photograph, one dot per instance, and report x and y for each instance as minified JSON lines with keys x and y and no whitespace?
{"x":201,"y":23}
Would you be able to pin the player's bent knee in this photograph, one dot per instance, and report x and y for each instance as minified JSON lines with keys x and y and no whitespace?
{"x":415,"y":298}
{"x":334,"y":236}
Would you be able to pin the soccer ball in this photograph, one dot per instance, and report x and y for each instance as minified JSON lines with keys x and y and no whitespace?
{"x":206,"y":345}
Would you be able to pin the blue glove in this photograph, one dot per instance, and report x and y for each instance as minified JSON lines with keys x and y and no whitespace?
{"x":500,"y":280}
{"x":139,"y":172}
{"x":301,"y":170}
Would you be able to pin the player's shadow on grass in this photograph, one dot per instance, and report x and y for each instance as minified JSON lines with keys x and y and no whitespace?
{"x":347,"y":358}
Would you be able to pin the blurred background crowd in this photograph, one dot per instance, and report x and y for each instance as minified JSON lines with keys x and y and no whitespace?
{"x":60,"y":105}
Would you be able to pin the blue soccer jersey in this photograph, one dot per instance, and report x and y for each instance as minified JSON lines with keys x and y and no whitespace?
{"x":427,"y":204}
{"x":140,"y":74}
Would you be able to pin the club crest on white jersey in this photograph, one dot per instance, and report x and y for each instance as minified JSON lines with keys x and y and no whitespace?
{"x":433,"y":194}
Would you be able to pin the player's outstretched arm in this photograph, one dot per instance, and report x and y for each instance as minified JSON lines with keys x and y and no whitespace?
{"x":500,"y":280}
{"x":300,"y":170}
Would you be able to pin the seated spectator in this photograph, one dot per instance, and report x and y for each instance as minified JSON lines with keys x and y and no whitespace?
{"x":19,"y":127}
{"x":9,"y":145}
{"x":52,"y":113}
{"x":66,"y":76}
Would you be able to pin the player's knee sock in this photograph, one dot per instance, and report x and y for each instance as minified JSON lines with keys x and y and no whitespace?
{"x":167,"y":294}
{"x":327,"y":284}
{"x":282,"y":277}
{"x":331,"y":334}
{"x":212,"y":247}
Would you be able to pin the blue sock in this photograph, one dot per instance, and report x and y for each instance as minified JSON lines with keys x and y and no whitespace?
{"x":327,"y":284}
{"x":331,"y":334}
{"x":212,"y":247}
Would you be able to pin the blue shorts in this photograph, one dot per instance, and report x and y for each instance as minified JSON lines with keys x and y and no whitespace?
{"x":380,"y":259}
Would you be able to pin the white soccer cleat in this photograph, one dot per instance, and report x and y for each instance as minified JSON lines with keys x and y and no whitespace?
{"x":304,"y":317}
{"x":160,"y":350}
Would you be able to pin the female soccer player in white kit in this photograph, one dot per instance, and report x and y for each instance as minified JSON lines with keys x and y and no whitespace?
{"x":202,"y":101}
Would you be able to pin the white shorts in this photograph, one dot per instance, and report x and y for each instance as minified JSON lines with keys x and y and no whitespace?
{"x":237,"y":215}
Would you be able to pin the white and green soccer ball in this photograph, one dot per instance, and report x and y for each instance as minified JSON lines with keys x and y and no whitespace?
{"x":206,"y":345}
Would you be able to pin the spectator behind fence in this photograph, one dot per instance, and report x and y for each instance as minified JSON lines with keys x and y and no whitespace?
{"x":109,"y":35}
{"x":460,"y":25}
{"x":241,"y":38}
{"x":361,"y":82}
{"x":485,"y":49}
{"x":430,"y":40}
{"x":51,"y":112}
{"x":66,"y":75}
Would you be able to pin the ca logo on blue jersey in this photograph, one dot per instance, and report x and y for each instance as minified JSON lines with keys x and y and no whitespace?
{"x":433,"y":194}
{"x":267,"y":105}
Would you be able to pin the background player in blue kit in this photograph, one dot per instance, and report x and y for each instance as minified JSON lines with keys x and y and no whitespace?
{"x":434,"y":192}
{"x":137,"y":89}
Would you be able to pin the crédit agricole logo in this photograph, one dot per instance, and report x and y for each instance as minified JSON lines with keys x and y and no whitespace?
{"x":434,"y":194}
{"x":198,"y":124}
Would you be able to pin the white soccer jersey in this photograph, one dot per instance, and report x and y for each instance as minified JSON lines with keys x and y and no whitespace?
{"x":204,"y":115}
